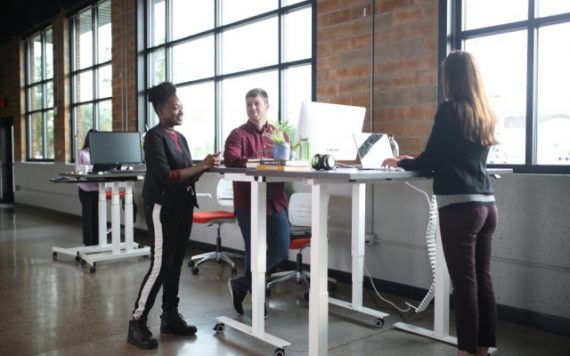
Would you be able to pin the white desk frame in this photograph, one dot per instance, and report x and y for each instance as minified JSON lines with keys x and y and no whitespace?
{"x":318,"y":294}
{"x":116,"y":249}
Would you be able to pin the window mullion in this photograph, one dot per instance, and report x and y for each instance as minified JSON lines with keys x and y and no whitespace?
{"x":95,"y":69}
{"x":531,"y":94}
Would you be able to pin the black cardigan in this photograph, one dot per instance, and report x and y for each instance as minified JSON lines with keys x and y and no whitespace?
{"x":457,"y":165}
{"x":162,"y":157}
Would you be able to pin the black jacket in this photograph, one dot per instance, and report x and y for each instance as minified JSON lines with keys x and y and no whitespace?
{"x":457,"y":165}
{"x":162,"y":157}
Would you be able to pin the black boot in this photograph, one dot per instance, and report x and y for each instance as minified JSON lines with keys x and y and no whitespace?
{"x":140,"y":335}
{"x":172,"y":322}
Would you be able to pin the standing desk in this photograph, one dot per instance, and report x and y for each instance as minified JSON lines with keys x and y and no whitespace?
{"x":105,"y":251}
{"x":318,"y":294}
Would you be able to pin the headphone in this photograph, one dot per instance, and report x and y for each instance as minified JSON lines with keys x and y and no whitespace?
{"x":323,"y":162}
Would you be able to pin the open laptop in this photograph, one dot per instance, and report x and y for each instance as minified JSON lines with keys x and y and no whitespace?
{"x":372,"y":149}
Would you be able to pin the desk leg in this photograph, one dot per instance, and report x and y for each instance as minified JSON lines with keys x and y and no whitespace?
{"x":358,"y":242}
{"x":258,"y":254}
{"x":102,"y":219}
{"x":116,"y":218}
{"x":129,"y":216}
{"x":318,"y":294}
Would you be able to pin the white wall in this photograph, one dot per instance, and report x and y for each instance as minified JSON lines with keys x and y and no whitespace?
{"x":531,"y":256}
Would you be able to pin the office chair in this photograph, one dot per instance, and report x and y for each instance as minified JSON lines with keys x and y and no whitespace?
{"x":300,"y":219}
{"x":224,"y":197}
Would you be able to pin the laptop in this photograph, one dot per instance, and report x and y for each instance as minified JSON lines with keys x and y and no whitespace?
{"x":372,"y":149}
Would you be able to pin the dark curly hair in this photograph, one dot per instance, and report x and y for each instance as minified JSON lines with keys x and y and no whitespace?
{"x":159,"y":94}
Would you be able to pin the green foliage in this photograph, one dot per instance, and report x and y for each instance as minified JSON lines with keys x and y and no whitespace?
{"x":280,"y":129}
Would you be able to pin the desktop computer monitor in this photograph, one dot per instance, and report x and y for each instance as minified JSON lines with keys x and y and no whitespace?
{"x":108,"y":150}
{"x":329,"y":128}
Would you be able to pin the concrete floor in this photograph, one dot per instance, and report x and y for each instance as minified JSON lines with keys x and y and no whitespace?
{"x":59,"y":308}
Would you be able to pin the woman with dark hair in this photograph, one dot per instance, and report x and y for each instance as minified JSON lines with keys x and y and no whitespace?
{"x":88,"y":196}
{"x":456,"y":157}
{"x":169,"y":201}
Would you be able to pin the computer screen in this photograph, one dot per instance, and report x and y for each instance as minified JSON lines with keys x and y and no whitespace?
{"x":115,"y":148}
{"x":330,"y":127}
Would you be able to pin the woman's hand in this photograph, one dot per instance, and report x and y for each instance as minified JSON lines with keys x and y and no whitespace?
{"x":394,"y":161}
{"x":211,"y":160}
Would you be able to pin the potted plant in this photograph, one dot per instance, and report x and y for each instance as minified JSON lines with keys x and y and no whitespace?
{"x":280,"y":133}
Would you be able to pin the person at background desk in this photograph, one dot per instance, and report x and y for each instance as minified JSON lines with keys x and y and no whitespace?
{"x":88,"y":196}
{"x":456,"y":156}
{"x":251,"y":140}
{"x":169,"y":201}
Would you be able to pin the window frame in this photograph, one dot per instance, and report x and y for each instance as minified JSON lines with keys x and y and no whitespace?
{"x":95,"y":67}
{"x":453,"y":37}
{"x":145,"y":50}
{"x":43,"y":83}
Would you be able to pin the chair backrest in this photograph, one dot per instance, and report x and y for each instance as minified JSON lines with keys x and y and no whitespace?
{"x":300,"y":208}
{"x":225,"y":193}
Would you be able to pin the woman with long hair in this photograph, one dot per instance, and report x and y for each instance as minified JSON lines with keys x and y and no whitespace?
{"x":456,"y":156}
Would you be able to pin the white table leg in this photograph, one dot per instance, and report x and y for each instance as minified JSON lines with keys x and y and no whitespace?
{"x":129,"y":216}
{"x":318,"y":294}
{"x":102,"y":219}
{"x":358,"y":241}
{"x":258,"y":254}
{"x":115,"y":218}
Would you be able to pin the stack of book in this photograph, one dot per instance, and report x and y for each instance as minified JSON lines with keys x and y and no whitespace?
{"x":268,"y":164}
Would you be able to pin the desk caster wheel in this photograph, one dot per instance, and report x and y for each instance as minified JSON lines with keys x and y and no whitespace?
{"x":234,"y":271}
{"x":190,"y":263}
{"x":195,"y":270}
{"x":279,"y":352}
{"x":93,"y":269}
{"x":54,"y":255}
{"x":77,"y":258}
{"x":219,"y":328}
{"x":83,"y":263}
{"x":379,"y":323}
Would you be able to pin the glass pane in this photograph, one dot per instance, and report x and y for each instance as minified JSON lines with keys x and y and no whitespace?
{"x":233,"y":10}
{"x":37,"y":136}
{"x":553,"y":107}
{"x":551,"y":7}
{"x":476,"y":13}
{"x":157,"y":67}
{"x":105,"y":82}
{"x":199,"y":125}
{"x":193,"y":60}
{"x":35,"y":57}
{"x":50,"y":135}
{"x":83,"y":119}
{"x":83,"y":126}
{"x":49,"y":94}
{"x":233,"y":93}
{"x":84,"y":40}
{"x":238,"y":45}
{"x":289,"y":2}
{"x":297,"y":88}
{"x":84,"y":86}
{"x":49,"y":54}
{"x":297,"y":42}
{"x":502,"y":60}
{"x":35,"y":97}
{"x":157,"y":22}
{"x":105,"y":115}
{"x":191,"y":17}
{"x":104,"y":32}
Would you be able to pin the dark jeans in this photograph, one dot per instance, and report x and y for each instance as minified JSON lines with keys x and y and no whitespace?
{"x":169,"y":229}
{"x":278,"y":239}
{"x":466,"y":234}
{"x":90,"y":214}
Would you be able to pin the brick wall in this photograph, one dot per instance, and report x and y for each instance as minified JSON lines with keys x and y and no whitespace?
{"x":405,"y":63}
{"x":10,"y":80}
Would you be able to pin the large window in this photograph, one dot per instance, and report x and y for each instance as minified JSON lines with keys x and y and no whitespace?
{"x":523,"y":54}
{"x":39,"y":110}
{"x":91,"y":74}
{"x":215,"y":51}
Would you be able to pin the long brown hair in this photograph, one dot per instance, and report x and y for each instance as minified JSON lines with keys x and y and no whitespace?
{"x":463,"y":85}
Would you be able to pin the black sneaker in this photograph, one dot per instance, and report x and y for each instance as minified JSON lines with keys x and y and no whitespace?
{"x":172,"y":322}
{"x":140,"y":335}
{"x":236,"y":294}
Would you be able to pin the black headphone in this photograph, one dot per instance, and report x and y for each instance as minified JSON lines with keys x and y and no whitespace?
{"x":324,"y":162}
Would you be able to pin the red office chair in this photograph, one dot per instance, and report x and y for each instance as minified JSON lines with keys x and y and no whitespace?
{"x":300,"y":219}
{"x":224,"y":197}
